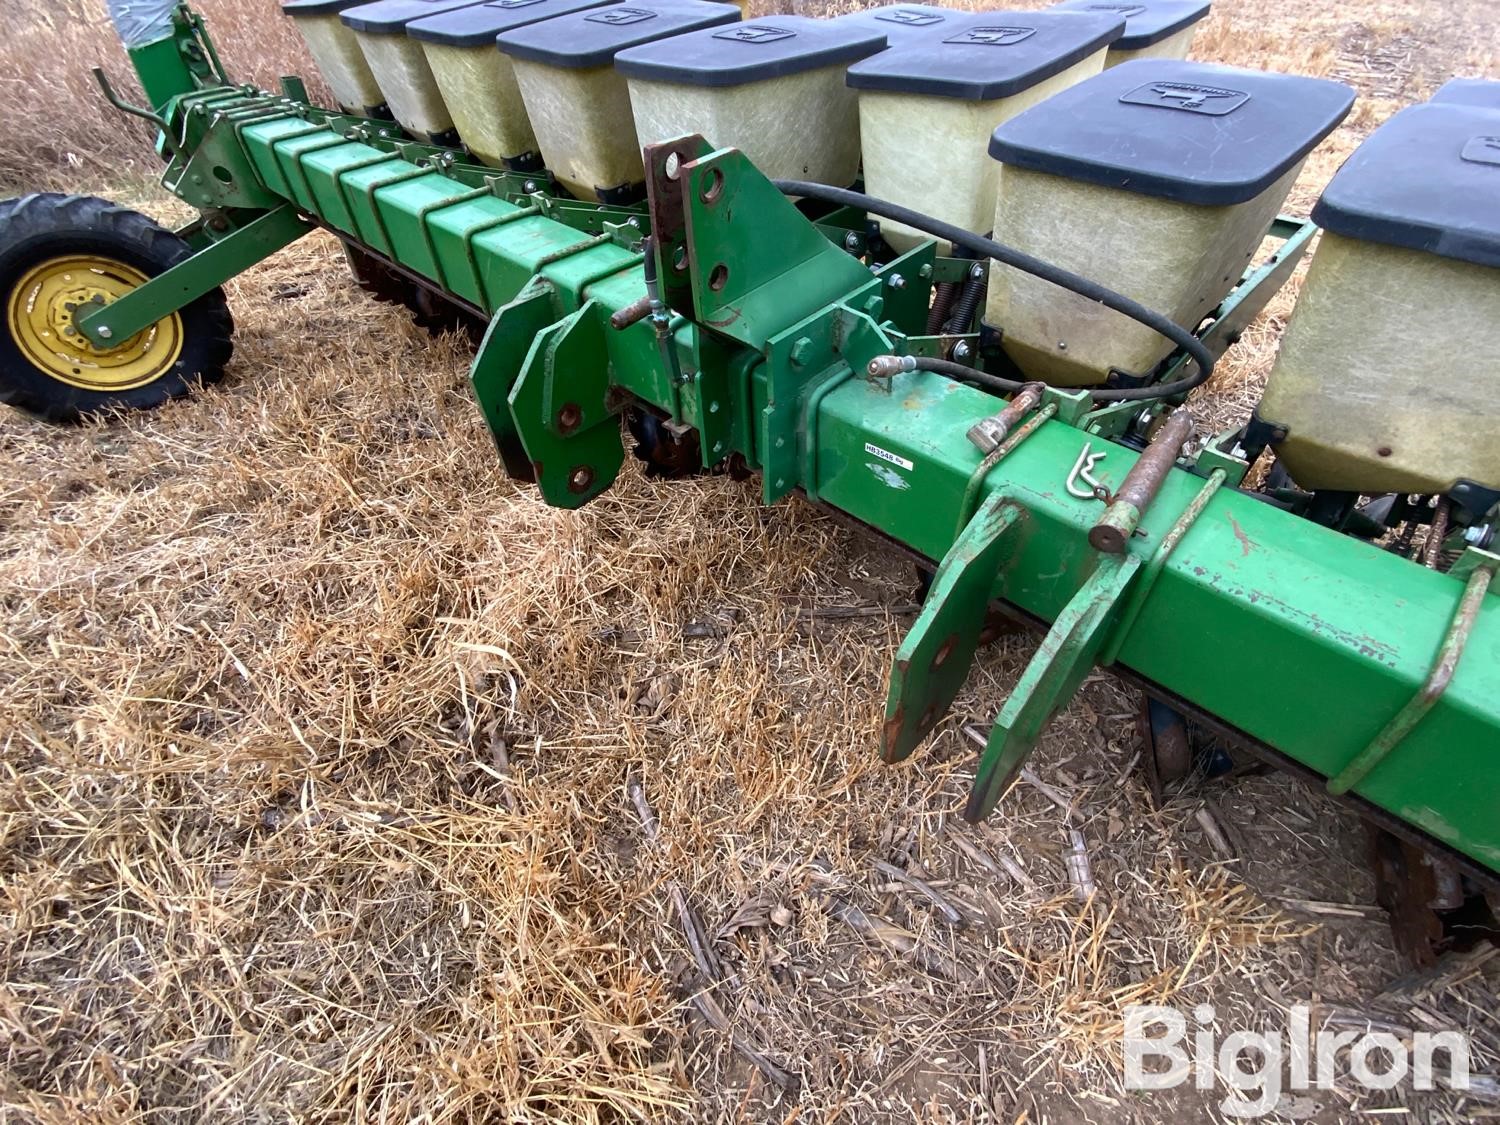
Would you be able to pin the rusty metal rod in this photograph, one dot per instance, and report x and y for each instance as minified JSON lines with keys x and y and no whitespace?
{"x":633,"y":313}
{"x":1118,"y":524}
{"x":988,"y":433}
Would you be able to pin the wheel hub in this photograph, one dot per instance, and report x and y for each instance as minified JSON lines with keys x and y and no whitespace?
{"x":44,"y":306}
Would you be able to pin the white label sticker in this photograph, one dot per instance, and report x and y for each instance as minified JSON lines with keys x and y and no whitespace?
{"x":886,"y":455}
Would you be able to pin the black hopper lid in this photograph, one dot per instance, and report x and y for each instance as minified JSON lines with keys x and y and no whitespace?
{"x":750,"y":52}
{"x":1185,"y":131}
{"x":479,"y":24}
{"x":1146,"y":21}
{"x":390,"y":17}
{"x":1428,"y":179}
{"x":989,"y":55}
{"x":594,"y":38}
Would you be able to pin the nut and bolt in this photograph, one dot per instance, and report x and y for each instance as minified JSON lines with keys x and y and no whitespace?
{"x":529,"y":186}
{"x":962,"y":351}
{"x":1480,"y":535}
{"x":801,"y":351}
{"x":852,"y":241}
{"x":105,"y":332}
{"x":897,"y":281}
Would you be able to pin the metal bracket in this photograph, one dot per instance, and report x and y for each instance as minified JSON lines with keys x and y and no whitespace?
{"x":561,"y":411}
{"x":699,"y":198}
{"x":1051,"y":679}
{"x":498,"y":364}
{"x":191,"y":278}
{"x":934,"y":659}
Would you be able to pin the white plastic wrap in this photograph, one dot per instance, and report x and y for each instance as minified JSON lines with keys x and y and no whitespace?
{"x":142,"y":21}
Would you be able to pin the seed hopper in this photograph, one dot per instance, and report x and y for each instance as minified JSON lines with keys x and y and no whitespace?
{"x":953,"y":276}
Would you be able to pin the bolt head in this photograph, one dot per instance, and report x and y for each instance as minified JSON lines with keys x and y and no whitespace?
{"x":851,"y":241}
{"x":961,"y":350}
{"x":105,"y":332}
{"x":529,"y":186}
{"x":897,"y":281}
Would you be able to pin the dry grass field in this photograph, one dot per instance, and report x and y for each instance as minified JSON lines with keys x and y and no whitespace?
{"x":341,"y":779}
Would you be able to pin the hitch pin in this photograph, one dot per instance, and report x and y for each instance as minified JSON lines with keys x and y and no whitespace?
{"x":1118,"y":523}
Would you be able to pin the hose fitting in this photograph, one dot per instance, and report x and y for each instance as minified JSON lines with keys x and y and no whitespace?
{"x":889,"y":366}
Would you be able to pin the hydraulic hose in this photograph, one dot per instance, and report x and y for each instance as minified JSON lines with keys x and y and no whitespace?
{"x":1006,"y":255}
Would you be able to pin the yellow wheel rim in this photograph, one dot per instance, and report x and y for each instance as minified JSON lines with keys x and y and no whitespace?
{"x":42,"y":306}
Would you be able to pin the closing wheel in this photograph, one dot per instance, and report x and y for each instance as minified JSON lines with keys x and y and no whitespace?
{"x":61,"y":256}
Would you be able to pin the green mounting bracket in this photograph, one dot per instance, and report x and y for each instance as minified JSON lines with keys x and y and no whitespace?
{"x":934,"y":659}
{"x":179,"y":63}
{"x":191,"y":278}
{"x":1218,"y":456}
{"x":1072,"y":406}
{"x":741,"y":286}
{"x":560,"y":408}
{"x":1111,"y":421}
{"x":498,"y":363}
{"x":1052,"y":678}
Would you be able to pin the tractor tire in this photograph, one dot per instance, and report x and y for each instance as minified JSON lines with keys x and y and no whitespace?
{"x":430,"y":311}
{"x":61,"y":251}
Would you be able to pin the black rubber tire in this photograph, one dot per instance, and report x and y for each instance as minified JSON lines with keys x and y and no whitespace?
{"x":430,"y":310}
{"x":34,"y":228}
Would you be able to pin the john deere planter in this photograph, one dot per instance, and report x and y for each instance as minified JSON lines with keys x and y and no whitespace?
{"x":1011,"y":412}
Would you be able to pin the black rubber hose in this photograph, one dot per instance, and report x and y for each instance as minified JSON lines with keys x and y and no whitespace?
{"x":1006,"y":255}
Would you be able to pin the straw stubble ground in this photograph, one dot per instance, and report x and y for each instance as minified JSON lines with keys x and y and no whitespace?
{"x":343,"y":779}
